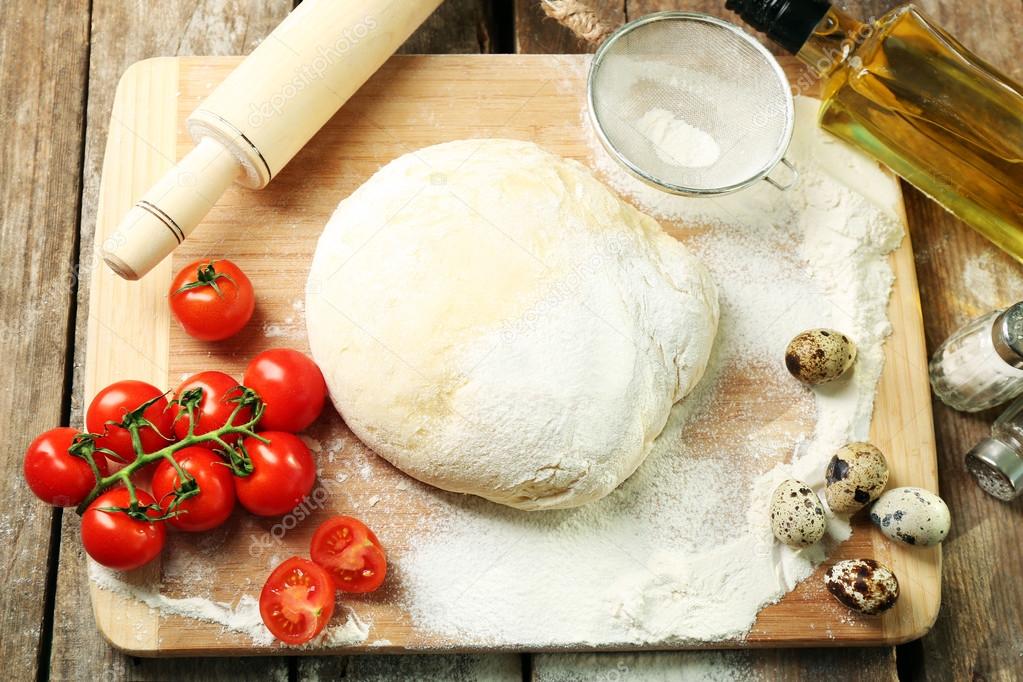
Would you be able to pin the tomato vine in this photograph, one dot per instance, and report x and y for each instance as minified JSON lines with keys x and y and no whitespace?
{"x":84,"y":446}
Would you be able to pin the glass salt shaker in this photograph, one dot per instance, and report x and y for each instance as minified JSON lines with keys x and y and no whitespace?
{"x":981,"y":365}
{"x":997,"y":462}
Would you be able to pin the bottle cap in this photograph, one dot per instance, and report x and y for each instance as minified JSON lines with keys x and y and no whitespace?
{"x":1007,"y":335}
{"x":998,"y":469}
{"x":788,"y":22}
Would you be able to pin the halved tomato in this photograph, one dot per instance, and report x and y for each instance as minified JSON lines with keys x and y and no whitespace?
{"x":351,"y":553}
{"x":297,"y":601}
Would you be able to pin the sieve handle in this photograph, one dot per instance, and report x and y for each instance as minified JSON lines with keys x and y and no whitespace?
{"x":792,"y":181}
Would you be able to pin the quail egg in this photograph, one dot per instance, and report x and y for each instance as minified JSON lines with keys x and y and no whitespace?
{"x":856,"y":476}
{"x":863,"y":585}
{"x":797,"y":515}
{"x":818,"y":356}
{"x":912,"y":515}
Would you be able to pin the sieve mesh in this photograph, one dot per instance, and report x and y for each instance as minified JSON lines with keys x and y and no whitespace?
{"x":694,"y":71}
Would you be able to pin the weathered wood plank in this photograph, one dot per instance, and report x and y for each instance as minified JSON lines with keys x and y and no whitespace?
{"x":467,"y":668}
{"x":456,"y":27}
{"x":123,"y":33}
{"x":868,"y":665}
{"x":43,"y":63}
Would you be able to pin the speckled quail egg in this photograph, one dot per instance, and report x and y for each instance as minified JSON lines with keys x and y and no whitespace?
{"x":856,"y":476}
{"x":912,"y":515}
{"x":863,"y":585}
{"x":797,"y":515}
{"x":818,"y":356}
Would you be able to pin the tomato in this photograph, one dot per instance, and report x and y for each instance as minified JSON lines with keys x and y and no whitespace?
{"x":351,"y":553}
{"x":215,"y":501}
{"x":297,"y":601}
{"x":116,"y":540}
{"x":117,"y":400}
{"x":55,"y":475}
{"x":212,"y":299}
{"x":218,"y":392}
{"x":283,"y":474}
{"x":292,"y":387}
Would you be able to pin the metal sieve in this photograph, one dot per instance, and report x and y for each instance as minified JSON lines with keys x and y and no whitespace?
{"x":691,"y":104}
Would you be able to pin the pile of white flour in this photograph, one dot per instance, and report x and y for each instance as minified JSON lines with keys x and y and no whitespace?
{"x":683,"y":550}
{"x":677,"y":142}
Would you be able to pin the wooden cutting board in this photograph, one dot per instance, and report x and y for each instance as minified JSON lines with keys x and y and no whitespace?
{"x":412,"y":102}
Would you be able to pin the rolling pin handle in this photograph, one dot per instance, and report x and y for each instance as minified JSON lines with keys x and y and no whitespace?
{"x":170,"y":210}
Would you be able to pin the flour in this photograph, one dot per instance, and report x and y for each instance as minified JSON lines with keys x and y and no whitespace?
{"x":683,"y":551}
{"x":677,"y":142}
{"x":242,"y":617}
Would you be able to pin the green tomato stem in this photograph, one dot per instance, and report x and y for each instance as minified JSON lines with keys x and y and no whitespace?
{"x":142,"y":459}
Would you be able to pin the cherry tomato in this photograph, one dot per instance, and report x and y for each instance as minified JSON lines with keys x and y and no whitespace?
{"x":116,"y":540}
{"x":218,"y":392}
{"x":212,"y":299}
{"x":118,"y":399}
{"x":350,"y":553}
{"x":297,"y":601}
{"x":283,"y":474}
{"x":292,"y":387}
{"x":55,"y":475}
{"x":215,"y":501}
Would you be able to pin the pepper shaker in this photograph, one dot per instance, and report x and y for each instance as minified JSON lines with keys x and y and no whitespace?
{"x":997,"y":462}
{"x":981,"y":365}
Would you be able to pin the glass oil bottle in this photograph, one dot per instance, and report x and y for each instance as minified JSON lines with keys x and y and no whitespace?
{"x":907,"y":93}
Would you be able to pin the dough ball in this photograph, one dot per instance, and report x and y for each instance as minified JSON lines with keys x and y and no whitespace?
{"x":492,"y":320}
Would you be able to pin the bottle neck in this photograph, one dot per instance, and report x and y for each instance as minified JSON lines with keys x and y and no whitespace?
{"x":787,"y":22}
{"x":835,"y":38}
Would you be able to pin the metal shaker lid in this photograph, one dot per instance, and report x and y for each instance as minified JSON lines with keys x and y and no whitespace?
{"x":1007,"y":335}
{"x":998,"y":469}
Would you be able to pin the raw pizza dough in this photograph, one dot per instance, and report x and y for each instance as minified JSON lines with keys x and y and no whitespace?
{"x":492,"y":320}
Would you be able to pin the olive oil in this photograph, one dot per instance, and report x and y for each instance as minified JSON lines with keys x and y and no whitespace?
{"x":907,"y":93}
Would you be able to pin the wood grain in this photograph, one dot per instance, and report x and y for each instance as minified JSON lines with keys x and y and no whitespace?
{"x":847,"y":665}
{"x":457,"y":26}
{"x":397,"y":110}
{"x":123,"y":33}
{"x":439,"y":668}
{"x":41,"y":132}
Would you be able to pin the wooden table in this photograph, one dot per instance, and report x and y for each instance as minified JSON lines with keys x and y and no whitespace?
{"x":59,"y":63}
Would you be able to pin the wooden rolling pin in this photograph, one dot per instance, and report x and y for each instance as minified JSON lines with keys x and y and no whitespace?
{"x":248,"y":129}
